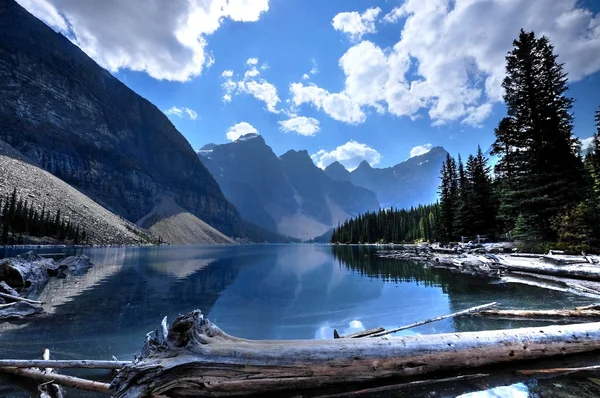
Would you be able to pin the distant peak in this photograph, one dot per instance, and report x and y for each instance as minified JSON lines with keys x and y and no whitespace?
{"x":364,"y":165}
{"x":248,"y":137}
{"x":336,"y":166}
{"x":292,"y":154}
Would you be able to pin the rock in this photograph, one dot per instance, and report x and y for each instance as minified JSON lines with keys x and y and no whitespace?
{"x":27,"y":273}
{"x":74,"y":265}
{"x":4,"y":288}
{"x":19,"y":310}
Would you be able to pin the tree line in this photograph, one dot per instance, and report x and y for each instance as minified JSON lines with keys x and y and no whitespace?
{"x":390,"y":226}
{"x":542,"y":190}
{"x":18,"y":217}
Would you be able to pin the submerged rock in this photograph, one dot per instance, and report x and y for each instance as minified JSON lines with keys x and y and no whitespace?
{"x":19,"y":310}
{"x":74,"y":265}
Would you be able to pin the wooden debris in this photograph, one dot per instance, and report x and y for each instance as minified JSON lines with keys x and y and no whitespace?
{"x":588,"y":307}
{"x":557,"y":371}
{"x":68,"y":381}
{"x":364,"y":333}
{"x":198,"y":359}
{"x":541,"y":313}
{"x":62,"y":364}
{"x":412,"y":384}
{"x":18,"y":298}
{"x":439,"y":318}
{"x":7,"y":305}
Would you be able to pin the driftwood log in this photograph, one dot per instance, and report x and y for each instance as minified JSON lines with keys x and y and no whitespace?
{"x":536,"y":314}
{"x":195,"y":358}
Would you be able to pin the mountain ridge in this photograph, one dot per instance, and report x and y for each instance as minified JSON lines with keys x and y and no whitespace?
{"x":288,"y":194}
{"x":74,"y":119}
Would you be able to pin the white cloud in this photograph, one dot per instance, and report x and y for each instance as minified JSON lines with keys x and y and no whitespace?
{"x":450,"y":58}
{"x":586,"y":143}
{"x":420,"y":150}
{"x":356,"y":25}
{"x":351,"y":154}
{"x":315,"y":69}
{"x":338,"y":105}
{"x":182,"y":112}
{"x":251,"y":73}
{"x":166,"y":39}
{"x":263,"y":91}
{"x":260,"y":89}
{"x":300,"y":124}
{"x":239,"y":130}
{"x":305,"y":76}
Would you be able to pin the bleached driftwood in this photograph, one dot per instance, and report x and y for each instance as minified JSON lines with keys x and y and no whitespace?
{"x":536,"y":314}
{"x":196,"y":358}
{"x":19,"y":298}
{"x":68,"y":381}
{"x":439,"y":318}
{"x":62,"y":364}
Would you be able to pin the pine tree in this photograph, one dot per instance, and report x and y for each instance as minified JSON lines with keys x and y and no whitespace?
{"x":482,"y":209}
{"x":537,"y":148}
{"x":448,"y":200}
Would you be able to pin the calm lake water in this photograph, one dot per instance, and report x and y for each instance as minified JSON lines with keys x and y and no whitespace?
{"x":256,"y":292}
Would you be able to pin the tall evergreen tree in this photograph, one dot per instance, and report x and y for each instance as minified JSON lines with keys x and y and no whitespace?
{"x":535,"y":143}
{"x":449,"y":200}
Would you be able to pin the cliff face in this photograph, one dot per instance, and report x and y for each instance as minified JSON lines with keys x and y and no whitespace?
{"x":75,"y":120}
{"x":288,"y":195}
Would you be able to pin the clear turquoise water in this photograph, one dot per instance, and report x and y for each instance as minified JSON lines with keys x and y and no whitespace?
{"x":257,"y":292}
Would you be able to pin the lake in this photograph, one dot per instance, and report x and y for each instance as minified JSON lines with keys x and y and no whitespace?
{"x":251,"y":291}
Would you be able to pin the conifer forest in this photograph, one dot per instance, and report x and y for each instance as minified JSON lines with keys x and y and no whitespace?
{"x":543,"y":189}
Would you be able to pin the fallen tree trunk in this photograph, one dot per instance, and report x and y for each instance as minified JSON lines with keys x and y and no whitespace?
{"x":557,"y":371}
{"x":542,"y":313}
{"x":196,"y":358}
{"x":68,"y":381}
{"x":576,"y":271}
{"x":62,"y":364}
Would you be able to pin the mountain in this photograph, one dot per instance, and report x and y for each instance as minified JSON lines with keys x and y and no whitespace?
{"x":288,"y":195}
{"x":43,"y":190}
{"x":177,"y":226}
{"x":410,"y":183}
{"x":74,"y":119}
{"x":336,"y":171}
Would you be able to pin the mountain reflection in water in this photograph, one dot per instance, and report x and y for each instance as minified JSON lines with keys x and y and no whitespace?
{"x":254,"y":291}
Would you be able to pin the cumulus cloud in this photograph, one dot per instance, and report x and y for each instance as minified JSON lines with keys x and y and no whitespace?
{"x":450,"y":59}
{"x":337,"y":105}
{"x":351,"y":154}
{"x":354,"y":24}
{"x":420,"y":150}
{"x":301,"y":125}
{"x":259,"y":88}
{"x":240,"y":129}
{"x":166,"y":39}
{"x":182,"y":112}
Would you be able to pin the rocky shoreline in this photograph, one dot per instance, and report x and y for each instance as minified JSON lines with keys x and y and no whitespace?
{"x":554,"y":270}
{"x":24,"y":277}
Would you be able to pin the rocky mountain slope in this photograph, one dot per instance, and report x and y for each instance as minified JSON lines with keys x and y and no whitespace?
{"x":74,"y":119}
{"x":43,"y":189}
{"x":410,"y":183}
{"x":289,"y":195}
{"x":177,"y":226}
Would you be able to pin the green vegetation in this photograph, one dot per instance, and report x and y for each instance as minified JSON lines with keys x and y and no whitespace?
{"x":542,"y":192}
{"x":390,"y":226}
{"x":18,"y":217}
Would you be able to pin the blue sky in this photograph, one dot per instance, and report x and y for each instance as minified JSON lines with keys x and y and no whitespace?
{"x":344,"y":79}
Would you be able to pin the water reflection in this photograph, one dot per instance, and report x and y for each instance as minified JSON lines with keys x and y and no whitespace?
{"x":259,"y":292}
